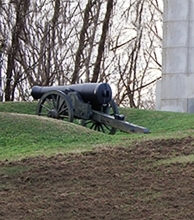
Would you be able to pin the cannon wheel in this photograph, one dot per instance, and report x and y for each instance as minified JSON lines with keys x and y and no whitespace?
{"x":109,"y":109}
{"x":55,"y":104}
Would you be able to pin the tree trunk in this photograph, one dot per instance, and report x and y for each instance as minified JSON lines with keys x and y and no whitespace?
{"x":81,"y":42}
{"x":102,"y":40}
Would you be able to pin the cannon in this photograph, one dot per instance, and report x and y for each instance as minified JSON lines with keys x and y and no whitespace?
{"x":91,"y":103}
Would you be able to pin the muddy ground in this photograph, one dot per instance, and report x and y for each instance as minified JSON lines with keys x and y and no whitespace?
{"x":107,"y":183}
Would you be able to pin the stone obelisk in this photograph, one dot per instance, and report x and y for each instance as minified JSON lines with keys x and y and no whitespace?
{"x":175,"y":91}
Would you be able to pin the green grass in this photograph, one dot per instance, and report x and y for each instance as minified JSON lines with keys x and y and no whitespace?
{"x":23,"y":134}
{"x":19,"y":107}
{"x":179,"y":159}
{"x":160,"y":122}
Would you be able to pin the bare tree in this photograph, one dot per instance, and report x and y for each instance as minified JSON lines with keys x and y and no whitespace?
{"x":82,"y":40}
{"x":21,"y":10}
{"x":139,"y":58}
{"x":2,"y":46}
{"x":101,"y":46}
{"x":62,"y":42}
{"x":41,"y":46}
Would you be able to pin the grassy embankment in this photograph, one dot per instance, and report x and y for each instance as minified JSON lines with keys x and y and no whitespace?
{"x":23,"y":134}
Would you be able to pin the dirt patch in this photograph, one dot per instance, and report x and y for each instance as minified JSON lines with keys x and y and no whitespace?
{"x":108,"y":183}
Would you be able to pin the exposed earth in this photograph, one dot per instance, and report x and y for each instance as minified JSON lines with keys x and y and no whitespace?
{"x":108,"y":183}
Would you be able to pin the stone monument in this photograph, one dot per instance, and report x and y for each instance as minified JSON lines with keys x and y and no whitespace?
{"x":175,"y":91}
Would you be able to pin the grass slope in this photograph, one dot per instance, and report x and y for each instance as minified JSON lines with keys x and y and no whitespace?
{"x":146,"y":176}
{"x":22,"y":133}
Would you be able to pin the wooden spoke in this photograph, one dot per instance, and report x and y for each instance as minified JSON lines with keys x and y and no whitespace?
{"x":109,"y":109}
{"x":55,"y":104}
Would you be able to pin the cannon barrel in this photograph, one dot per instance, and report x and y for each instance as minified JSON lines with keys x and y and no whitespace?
{"x":95,"y":93}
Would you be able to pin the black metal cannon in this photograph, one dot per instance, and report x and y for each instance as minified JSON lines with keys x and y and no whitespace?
{"x":92,"y":103}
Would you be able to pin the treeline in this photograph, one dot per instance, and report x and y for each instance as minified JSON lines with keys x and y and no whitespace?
{"x":63,"y":42}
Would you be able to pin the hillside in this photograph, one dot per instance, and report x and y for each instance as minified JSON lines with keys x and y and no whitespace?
{"x":50,"y":169}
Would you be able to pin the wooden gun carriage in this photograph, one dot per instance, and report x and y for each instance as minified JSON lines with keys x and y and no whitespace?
{"x":92,"y":103}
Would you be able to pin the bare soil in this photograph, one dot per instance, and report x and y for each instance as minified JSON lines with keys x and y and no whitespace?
{"x":107,"y":183}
